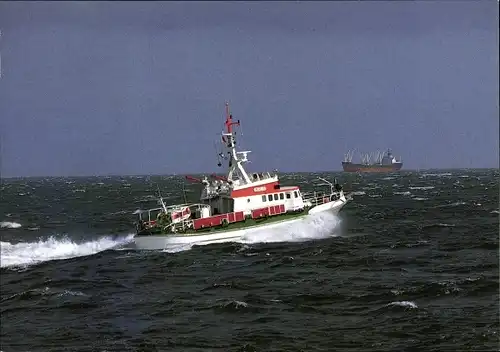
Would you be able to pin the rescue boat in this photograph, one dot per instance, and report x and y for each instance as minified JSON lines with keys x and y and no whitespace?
{"x":233,"y":205}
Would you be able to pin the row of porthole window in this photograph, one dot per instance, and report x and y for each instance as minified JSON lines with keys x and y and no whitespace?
{"x":277,"y":196}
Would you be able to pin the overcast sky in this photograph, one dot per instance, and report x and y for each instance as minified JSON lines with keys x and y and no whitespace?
{"x":92,"y":88}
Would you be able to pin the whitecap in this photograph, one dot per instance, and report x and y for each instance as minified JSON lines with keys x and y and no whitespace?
{"x":406,"y":304}
{"x":407,"y":193}
{"x":10,"y":225}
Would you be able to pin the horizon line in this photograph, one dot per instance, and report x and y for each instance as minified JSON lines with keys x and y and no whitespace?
{"x":216,"y":173}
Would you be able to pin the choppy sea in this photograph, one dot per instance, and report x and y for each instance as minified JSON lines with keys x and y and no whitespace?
{"x":411,"y":264}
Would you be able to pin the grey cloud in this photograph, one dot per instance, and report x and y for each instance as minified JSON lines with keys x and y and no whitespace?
{"x":323,"y":16}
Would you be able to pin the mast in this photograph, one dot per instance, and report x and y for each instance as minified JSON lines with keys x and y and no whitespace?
{"x":229,"y":120}
{"x":236,"y":159}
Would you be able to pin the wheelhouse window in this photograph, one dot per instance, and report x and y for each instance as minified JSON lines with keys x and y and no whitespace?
{"x":295,"y":194}
{"x":270,"y":197}
{"x":288,"y":195}
{"x":275,"y":196}
{"x":282,"y":196}
{"x":264,"y":198}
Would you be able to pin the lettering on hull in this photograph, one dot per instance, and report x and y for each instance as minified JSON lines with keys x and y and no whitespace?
{"x":255,"y":191}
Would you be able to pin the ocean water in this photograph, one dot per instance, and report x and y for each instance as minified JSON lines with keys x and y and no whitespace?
{"x":411,"y":264}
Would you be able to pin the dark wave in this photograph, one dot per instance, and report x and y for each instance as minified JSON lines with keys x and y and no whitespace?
{"x":414,"y":266}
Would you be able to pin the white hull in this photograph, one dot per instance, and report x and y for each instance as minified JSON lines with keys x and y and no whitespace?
{"x":332,"y":207}
{"x":160,"y":242}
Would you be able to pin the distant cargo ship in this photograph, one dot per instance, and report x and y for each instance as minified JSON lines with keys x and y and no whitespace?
{"x":383,"y":163}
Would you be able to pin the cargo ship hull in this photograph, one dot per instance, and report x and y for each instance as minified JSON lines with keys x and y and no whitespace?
{"x":351,"y":167}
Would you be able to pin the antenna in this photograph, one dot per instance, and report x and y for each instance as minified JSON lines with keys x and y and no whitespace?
{"x":161,"y":199}
{"x":184,"y":192}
